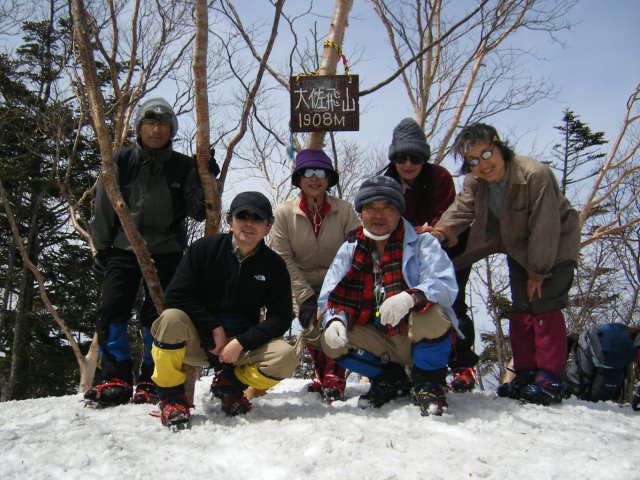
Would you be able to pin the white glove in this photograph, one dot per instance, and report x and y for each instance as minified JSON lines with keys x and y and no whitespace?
{"x":336,"y":334}
{"x":395,"y":308}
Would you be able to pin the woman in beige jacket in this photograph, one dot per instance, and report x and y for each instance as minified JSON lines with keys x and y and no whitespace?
{"x":307,"y":233}
{"x":514,"y":206}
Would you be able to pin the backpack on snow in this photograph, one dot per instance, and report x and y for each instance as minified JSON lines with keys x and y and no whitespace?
{"x":599,"y":360}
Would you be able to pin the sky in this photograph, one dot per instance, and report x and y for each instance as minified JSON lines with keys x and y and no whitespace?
{"x":594,"y":67}
{"x":289,"y":434}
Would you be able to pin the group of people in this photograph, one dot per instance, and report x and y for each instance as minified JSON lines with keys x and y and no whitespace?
{"x":378,"y":287}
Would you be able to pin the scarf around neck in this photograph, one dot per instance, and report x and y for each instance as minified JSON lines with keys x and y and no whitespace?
{"x":353,"y":294}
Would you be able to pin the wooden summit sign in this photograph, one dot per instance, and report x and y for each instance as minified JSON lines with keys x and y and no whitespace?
{"x":324,"y":103}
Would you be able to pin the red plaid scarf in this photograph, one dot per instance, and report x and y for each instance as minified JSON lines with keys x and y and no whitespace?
{"x":354,"y":293}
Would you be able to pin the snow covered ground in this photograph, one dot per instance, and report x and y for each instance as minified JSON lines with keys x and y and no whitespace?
{"x":291,"y":435}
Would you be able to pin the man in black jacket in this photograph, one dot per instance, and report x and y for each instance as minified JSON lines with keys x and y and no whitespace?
{"x":161,"y":188}
{"x":228,"y":305}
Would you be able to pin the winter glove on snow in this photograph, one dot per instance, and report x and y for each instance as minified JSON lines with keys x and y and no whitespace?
{"x":395,"y":308}
{"x":336,"y":334}
{"x":308,"y":311}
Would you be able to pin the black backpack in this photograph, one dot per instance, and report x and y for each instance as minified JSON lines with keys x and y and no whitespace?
{"x":598,"y":363}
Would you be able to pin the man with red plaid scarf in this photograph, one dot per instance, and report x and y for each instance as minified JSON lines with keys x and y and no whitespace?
{"x":386,"y":303}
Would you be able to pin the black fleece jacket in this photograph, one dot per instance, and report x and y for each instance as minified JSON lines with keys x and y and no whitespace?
{"x":214,"y":289}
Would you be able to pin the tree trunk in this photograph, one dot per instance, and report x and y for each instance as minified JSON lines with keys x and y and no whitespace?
{"x":88,"y":366}
{"x":96,"y":107}
{"x":330,"y":56}
{"x":7,"y":289}
{"x":209,"y":185}
{"x":32,"y":269}
{"x":497,"y":321}
{"x":17,"y":387}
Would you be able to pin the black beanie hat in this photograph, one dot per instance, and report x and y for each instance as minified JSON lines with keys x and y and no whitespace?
{"x":408,"y":138}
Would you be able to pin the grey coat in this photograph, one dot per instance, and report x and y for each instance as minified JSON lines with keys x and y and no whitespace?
{"x":161,"y":188}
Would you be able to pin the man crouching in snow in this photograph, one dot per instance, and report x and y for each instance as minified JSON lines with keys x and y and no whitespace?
{"x":214,"y":304}
{"x":386,"y":303}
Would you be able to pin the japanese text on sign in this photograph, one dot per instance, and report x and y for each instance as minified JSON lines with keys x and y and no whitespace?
{"x":324,"y":103}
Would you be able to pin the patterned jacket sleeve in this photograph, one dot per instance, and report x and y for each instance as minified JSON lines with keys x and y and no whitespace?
{"x":338,"y":269}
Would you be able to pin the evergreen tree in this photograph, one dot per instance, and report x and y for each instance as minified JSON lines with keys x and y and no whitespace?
{"x":578,"y":151}
{"x":39,"y":138}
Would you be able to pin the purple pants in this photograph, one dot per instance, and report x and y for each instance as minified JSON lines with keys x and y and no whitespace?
{"x":539,"y":341}
{"x":537,"y":329}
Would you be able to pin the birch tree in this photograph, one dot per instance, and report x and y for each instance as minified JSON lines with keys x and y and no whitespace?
{"x":209,"y":186}
{"x":459,"y":68}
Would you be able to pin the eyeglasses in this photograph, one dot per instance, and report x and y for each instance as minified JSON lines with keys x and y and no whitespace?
{"x":486,"y":154}
{"x":402,"y":159}
{"x":153,"y":123}
{"x":314,"y":172}
{"x":246,"y":216}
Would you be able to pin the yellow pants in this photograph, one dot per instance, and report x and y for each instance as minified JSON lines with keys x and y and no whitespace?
{"x":177,"y":342}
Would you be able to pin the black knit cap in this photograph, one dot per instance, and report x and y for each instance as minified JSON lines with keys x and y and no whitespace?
{"x":408,"y":139}
{"x":379,"y":188}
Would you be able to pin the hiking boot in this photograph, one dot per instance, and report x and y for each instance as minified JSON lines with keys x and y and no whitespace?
{"x":333,"y":388}
{"x":383,"y":391}
{"x":234,"y":405}
{"x":174,"y":412}
{"x":230,"y":391}
{"x":145,"y":393}
{"x":513,"y":389}
{"x":110,"y":393}
{"x":464,"y":379}
{"x":547,"y":389}
{"x":315,"y":387}
{"x":225,"y":382}
{"x":431,"y":399}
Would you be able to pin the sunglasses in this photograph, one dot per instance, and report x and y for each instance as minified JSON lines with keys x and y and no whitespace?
{"x":484,"y":155}
{"x":246,"y":216}
{"x":402,"y":159}
{"x":152,"y":123}
{"x":314,"y":172}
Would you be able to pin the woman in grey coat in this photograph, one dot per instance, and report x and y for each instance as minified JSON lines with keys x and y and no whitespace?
{"x":513,"y":205}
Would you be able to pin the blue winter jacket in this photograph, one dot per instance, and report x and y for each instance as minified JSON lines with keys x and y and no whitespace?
{"x":425,"y":266}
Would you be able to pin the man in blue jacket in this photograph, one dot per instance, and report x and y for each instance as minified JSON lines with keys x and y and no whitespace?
{"x":386,"y":303}
{"x":228,"y":305}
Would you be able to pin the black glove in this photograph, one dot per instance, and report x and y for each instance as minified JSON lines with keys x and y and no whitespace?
{"x":308,"y":311}
{"x":99,"y":262}
{"x":212,"y":165}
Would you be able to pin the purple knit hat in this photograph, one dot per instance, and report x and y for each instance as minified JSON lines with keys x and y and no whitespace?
{"x":309,"y":158}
